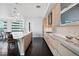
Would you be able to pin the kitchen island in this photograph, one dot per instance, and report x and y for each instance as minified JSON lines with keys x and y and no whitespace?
{"x":24,"y":42}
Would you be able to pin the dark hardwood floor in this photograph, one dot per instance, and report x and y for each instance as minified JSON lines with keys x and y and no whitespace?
{"x":38,"y":47}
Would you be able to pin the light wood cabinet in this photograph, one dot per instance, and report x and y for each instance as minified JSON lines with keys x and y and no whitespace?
{"x":56,"y":47}
{"x":46,"y":27}
{"x":56,"y":15}
{"x":27,"y":41}
{"x":55,"y":19}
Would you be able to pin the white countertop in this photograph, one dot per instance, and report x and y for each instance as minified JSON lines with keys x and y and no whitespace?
{"x":19,"y":35}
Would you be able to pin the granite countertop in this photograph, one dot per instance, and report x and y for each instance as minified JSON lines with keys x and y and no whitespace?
{"x":62,"y":39}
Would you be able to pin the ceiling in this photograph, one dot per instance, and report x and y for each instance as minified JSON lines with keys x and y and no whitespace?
{"x":28,"y":10}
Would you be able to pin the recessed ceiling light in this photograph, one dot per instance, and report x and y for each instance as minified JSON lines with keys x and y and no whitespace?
{"x":38,"y":6}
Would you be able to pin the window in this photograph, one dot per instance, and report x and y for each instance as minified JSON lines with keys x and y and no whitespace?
{"x":3,"y":25}
{"x":17,"y":26}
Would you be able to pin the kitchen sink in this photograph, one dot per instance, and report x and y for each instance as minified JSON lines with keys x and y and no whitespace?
{"x":72,"y":42}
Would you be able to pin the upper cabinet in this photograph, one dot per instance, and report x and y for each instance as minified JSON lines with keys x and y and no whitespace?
{"x":51,"y":21}
{"x":69,"y":14}
{"x":56,"y":15}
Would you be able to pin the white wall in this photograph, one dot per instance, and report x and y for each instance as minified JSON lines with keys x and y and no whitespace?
{"x":36,"y":26}
{"x":4,"y":15}
{"x":3,"y":11}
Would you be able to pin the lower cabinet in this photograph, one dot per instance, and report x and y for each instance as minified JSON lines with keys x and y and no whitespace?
{"x":56,"y":47}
